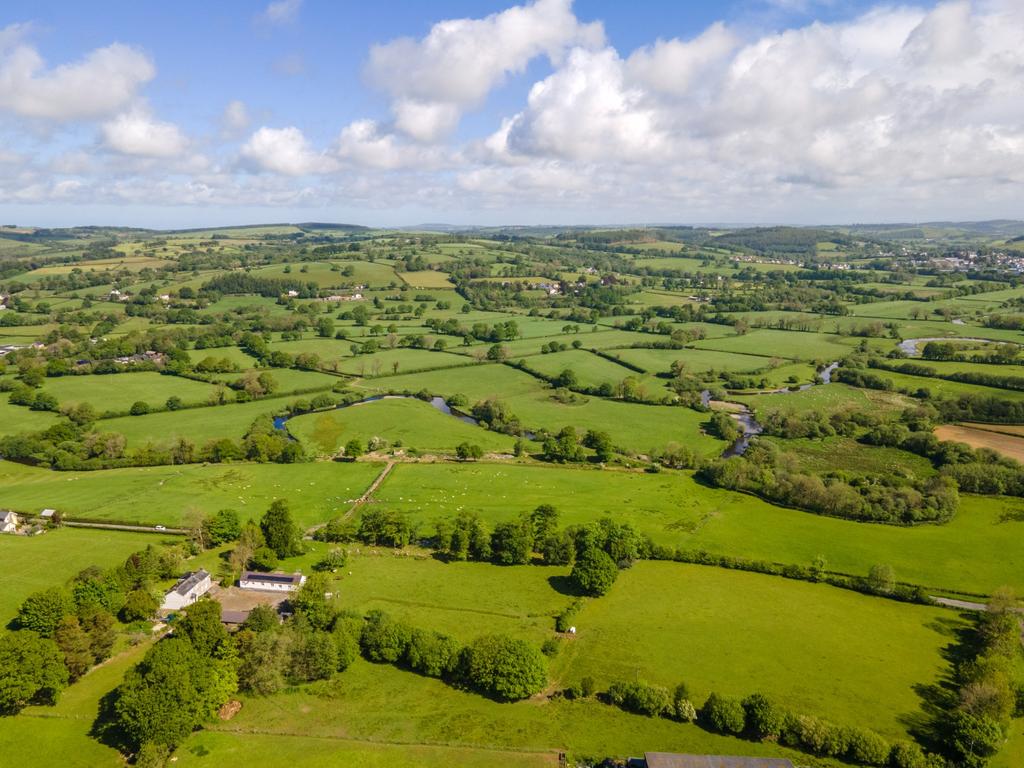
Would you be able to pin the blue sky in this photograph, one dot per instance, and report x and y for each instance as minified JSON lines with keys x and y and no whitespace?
{"x":550,"y":111}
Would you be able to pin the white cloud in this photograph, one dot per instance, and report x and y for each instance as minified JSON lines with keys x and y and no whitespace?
{"x":102,"y":82}
{"x":672,"y":66}
{"x":435,"y":79}
{"x":235,"y":118}
{"x":364,"y":144}
{"x":284,"y":150}
{"x":137,"y":132}
{"x":281,"y":12}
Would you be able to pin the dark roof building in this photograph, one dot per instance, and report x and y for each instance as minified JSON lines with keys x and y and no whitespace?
{"x":271,"y":582}
{"x":671,"y":760}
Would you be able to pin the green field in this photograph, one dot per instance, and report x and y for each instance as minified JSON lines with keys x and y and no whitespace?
{"x":411,"y":422}
{"x":979,"y":550}
{"x":168,"y":495}
{"x":632,"y":426}
{"x":195,"y":424}
{"x":777,"y":637}
{"x":796,"y":345}
{"x":117,"y":392}
{"x":32,"y":563}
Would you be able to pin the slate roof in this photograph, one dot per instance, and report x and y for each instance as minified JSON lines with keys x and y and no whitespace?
{"x":671,"y":760}
{"x":187,"y":584}
{"x":272,"y":578}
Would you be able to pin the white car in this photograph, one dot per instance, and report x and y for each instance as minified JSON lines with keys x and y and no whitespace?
{"x":160,"y":527}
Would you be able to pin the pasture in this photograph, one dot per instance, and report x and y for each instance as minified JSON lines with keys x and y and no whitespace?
{"x":980,"y":549}
{"x":32,"y":563}
{"x":843,"y":656}
{"x":117,"y":392}
{"x":169,"y":495}
{"x":410,"y":423}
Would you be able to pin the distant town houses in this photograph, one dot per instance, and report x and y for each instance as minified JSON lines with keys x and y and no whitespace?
{"x":271,"y":582}
{"x":190,"y":588}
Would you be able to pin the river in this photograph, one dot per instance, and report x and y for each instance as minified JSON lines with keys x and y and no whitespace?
{"x":750,"y":426}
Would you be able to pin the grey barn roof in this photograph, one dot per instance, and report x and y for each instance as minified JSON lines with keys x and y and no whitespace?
{"x":186,"y":585}
{"x":670,"y":760}
{"x":273,"y":578}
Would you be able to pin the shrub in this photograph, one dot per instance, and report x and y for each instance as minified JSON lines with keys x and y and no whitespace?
{"x":503,"y":667}
{"x":906,"y":754}
{"x":383,"y":639}
{"x":868,"y":747}
{"x":724,"y":715}
{"x":431,"y":653}
{"x":139,"y":408}
{"x":550,"y":647}
{"x":822,"y":737}
{"x":594,"y":572}
{"x":139,"y":605}
{"x":641,"y":698}
{"x":764,"y":718}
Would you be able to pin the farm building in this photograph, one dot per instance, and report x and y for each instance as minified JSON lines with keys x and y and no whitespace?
{"x":672,"y":760}
{"x":191,"y":587}
{"x":9,"y":522}
{"x":271,"y":582}
{"x":47,"y":514}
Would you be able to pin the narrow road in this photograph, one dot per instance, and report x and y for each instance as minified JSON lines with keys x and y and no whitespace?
{"x":964,"y":605}
{"x":117,"y":527}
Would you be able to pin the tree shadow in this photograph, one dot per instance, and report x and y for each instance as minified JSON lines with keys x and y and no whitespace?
{"x":563,"y":585}
{"x":105,"y":728}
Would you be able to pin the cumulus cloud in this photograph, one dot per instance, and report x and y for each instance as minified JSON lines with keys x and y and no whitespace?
{"x":896,"y":110}
{"x":99,"y":84}
{"x":137,"y":132}
{"x":284,"y":150}
{"x":435,"y":79}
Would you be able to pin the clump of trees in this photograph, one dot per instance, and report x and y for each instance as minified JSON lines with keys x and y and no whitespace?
{"x":855,"y":496}
{"x":990,"y":685}
{"x":759,"y":718}
{"x":498,"y":666}
{"x":61,"y":632}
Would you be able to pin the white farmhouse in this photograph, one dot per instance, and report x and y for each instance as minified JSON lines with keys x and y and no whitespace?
{"x":9,"y":522}
{"x":271,"y":582}
{"x":191,"y":587}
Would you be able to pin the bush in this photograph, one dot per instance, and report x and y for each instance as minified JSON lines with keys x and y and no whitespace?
{"x":383,"y":639}
{"x":821,"y":737}
{"x":504,"y":668}
{"x":764,"y":718}
{"x":563,"y":621}
{"x":550,"y":647}
{"x":868,"y":747}
{"x":724,"y":715}
{"x":641,"y":698}
{"x":139,"y":408}
{"x":432,"y":654}
{"x":906,"y":754}
{"x":138,"y":606}
{"x":594,"y":572}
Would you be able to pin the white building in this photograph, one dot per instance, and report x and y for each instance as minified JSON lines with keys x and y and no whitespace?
{"x":191,"y":587}
{"x":9,"y":522}
{"x":271,"y":582}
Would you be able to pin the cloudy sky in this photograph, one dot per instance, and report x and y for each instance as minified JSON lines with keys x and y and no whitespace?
{"x":595,"y":111}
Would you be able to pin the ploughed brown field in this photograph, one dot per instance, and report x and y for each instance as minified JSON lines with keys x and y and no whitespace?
{"x":1007,"y":440}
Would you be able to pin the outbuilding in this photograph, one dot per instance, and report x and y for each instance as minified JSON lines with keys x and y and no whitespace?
{"x":271,"y":582}
{"x":191,"y":587}
{"x":674,"y":760}
{"x":9,"y":522}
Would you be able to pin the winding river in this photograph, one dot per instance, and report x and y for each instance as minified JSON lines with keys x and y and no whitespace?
{"x":745,"y":417}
